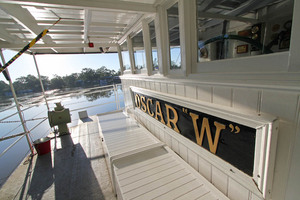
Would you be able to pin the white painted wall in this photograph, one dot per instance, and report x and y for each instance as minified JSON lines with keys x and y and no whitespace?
{"x":266,"y":84}
{"x":255,"y":100}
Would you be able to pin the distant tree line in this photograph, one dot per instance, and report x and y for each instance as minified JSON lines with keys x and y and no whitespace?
{"x":86,"y":78}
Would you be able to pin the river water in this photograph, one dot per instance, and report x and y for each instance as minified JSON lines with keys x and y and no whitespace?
{"x":34,"y":111}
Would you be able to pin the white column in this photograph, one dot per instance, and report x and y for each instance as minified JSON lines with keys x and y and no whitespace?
{"x":187,"y":29}
{"x":131,"y":56}
{"x":120,"y":59}
{"x":294,"y":60}
{"x":161,"y":27}
{"x":147,"y":47}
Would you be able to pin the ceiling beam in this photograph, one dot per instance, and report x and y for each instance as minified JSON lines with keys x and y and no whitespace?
{"x":106,"y":24}
{"x":93,"y":34}
{"x":226,"y":17}
{"x":63,"y":22}
{"x":23,"y":17}
{"x":8,"y":37}
{"x":48,"y":46}
{"x":87,"y":20}
{"x":91,"y":4}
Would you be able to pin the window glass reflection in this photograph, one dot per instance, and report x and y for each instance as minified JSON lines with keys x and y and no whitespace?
{"x":125,"y":56}
{"x":233,"y":29}
{"x":174,"y":37}
{"x":139,"y":52}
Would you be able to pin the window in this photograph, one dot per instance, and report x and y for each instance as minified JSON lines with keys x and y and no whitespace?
{"x":174,"y":39}
{"x":232,"y":29}
{"x":139,"y":52}
{"x":125,"y":56}
{"x":153,"y":46}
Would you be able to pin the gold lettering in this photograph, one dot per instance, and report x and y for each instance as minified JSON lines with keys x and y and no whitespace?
{"x":137,"y":101}
{"x":158,"y":112}
{"x":174,"y":120}
{"x":206,"y":128}
{"x":148,"y":107}
{"x":143,"y":108}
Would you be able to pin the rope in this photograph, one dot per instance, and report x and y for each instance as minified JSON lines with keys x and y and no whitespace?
{"x":33,"y":119}
{"x":11,"y":145}
{"x":12,"y":130}
{"x":20,"y":134}
{"x":38,"y":124}
{"x":11,"y":136}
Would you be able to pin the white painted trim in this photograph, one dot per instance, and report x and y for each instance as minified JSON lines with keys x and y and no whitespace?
{"x":95,"y":5}
{"x":187,"y":28}
{"x":161,"y":40}
{"x":120,"y":59}
{"x":281,"y":81}
{"x":260,"y":63}
{"x":70,"y":45}
{"x":294,"y":59}
{"x":147,"y":46}
{"x":130,"y":51}
{"x":176,"y":72}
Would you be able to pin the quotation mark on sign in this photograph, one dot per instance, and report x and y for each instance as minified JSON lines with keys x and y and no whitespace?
{"x":236,"y":128}
{"x":185,"y":110}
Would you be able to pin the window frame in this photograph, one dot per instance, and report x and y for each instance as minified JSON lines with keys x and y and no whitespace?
{"x":278,"y":62}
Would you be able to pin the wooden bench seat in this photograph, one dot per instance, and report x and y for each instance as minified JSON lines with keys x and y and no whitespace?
{"x":141,"y":167}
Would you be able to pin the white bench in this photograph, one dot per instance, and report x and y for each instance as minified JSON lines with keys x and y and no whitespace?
{"x":141,"y":167}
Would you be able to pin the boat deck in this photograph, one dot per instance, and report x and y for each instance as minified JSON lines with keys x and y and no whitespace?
{"x":75,"y":169}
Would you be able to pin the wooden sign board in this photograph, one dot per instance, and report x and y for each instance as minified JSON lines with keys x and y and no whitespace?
{"x":229,"y":140}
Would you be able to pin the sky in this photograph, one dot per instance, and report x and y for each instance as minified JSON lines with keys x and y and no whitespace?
{"x":63,"y":64}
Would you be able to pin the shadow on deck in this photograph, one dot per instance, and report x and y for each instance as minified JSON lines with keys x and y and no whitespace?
{"x":75,"y":169}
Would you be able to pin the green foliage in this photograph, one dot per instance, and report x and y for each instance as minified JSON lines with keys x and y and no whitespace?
{"x":86,"y":78}
{"x":4,"y":88}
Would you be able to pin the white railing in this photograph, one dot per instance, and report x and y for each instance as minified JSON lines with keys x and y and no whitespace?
{"x":107,"y":88}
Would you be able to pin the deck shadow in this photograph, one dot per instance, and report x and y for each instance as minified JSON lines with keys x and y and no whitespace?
{"x":42,"y":177}
{"x":70,"y":177}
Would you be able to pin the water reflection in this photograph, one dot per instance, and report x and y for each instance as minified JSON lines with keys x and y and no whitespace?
{"x":95,"y":96}
{"x":93,"y":100}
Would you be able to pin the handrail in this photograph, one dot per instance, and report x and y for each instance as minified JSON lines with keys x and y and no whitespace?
{"x":93,"y":106}
{"x":21,"y":135}
{"x":10,"y":146}
{"x":15,"y":114}
{"x":11,"y":136}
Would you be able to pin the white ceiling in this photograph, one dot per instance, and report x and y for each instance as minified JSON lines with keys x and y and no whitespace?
{"x":102,"y":22}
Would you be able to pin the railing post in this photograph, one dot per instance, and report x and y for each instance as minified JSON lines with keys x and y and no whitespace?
{"x":42,"y":86}
{"x":115,"y":96}
{"x":17,"y":105}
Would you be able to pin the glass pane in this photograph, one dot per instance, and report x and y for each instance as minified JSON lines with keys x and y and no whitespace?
{"x":139,"y":52}
{"x":153,"y":46}
{"x":139,"y":58}
{"x":174,"y":39}
{"x":125,"y":56}
{"x":232,"y":29}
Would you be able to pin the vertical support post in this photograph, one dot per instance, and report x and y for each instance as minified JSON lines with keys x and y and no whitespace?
{"x":42,"y":86}
{"x":18,"y":106}
{"x":120,"y":59}
{"x":131,"y":56}
{"x":118,"y":101}
{"x":187,"y":27}
{"x":294,"y":61}
{"x":115,"y":96}
{"x":147,"y":46}
{"x":161,"y":27}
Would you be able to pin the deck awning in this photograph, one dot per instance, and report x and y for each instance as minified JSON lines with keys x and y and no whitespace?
{"x":85,"y":25}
